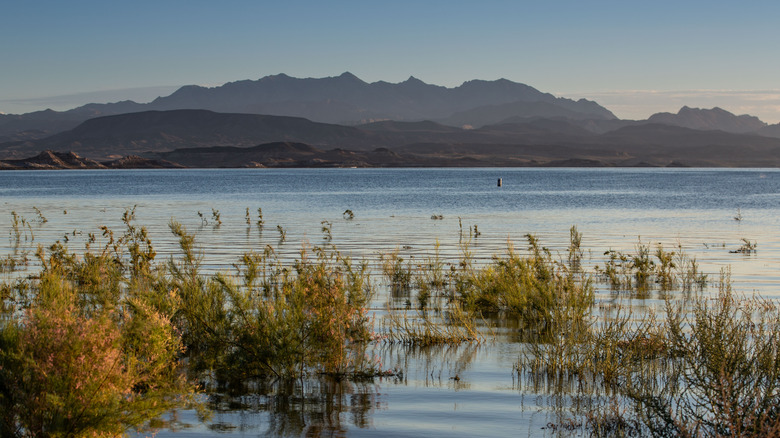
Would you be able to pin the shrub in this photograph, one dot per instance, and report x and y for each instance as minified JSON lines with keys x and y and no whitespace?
{"x":533,"y":288}
{"x":66,"y":374}
{"x":278,"y":322}
{"x":710,"y":368}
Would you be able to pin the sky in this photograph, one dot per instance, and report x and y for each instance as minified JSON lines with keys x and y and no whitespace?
{"x":635,"y":58}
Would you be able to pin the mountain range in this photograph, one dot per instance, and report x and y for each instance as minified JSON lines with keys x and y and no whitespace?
{"x":345,"y":121}
{"x":344,"y":99}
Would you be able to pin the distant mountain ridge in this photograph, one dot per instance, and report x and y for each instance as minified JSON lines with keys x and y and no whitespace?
{"x":411,"y":123}
{"x":138,"y":133}
{"x":709,"y":119}
{"x":346,"y":99}
{"x":200,"y":138}
{"x":343,"y":99}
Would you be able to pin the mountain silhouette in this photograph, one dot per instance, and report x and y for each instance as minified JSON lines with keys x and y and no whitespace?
{"x":709,"y":119}
{"x":343,"y":99}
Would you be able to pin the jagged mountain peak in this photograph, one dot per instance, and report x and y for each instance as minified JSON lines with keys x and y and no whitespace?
{"x":413,"y":80}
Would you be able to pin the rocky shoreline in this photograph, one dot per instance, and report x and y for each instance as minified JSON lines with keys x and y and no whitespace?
{"x":50,"y":160}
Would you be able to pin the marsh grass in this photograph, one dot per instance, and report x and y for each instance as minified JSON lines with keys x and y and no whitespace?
{"x":96,"y":342}
{"x":216,"y":216}
{"x":282,"y":234}
{"x":21,"y":228}
{"x":703,"y":365}
{"x":747,"y":247}
{"x":640,"y":272}
{"x":398,"y":271}
{"x":260,"y":221}
{"x":278,"y":321}
{"x":327,"y":230}
{"x":39,"y":217}
{"x":22,"y":239}
{"x":709,"y":367}
{"x":531,"y":288}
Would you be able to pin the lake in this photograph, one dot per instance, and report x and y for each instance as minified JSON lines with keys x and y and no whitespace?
{"x":466,"y":391}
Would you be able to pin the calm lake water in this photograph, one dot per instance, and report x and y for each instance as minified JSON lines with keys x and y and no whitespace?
{"x":613,"y":208}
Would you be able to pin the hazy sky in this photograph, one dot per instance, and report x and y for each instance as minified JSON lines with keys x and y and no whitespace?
{"x":635,"y":58}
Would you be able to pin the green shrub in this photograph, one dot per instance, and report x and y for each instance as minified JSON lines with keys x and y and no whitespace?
{"x":279,"y":322}
{"x":533,"y":288}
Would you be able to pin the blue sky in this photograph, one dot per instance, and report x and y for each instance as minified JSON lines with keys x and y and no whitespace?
{"x":636,"y":58}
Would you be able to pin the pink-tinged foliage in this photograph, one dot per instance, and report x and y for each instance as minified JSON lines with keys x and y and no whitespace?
{"x":67,"y":374}
{"x":73,"y":374}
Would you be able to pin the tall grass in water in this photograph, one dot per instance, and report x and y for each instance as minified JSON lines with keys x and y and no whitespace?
{"x":398,"y":273}
{"x":87,"y":347}
{"x":638,"y":273}
{"x":534,"y":288}
{"x":277,"y":321}
{"x":434,"y":322}
{"x":96,"y":342}
{"x":709,"y":367}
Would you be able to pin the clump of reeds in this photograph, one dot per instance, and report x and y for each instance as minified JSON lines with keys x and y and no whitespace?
{"x":747,"y":247}
{"x":40,"y":218}
{"x":260,"y":221}
{"x":21,"y":228}
{"x":532,"y":288}
{"x":639,"y":272}
{"x":11,"y":263}
{"x":278,"y":321}
{"x":327,"y":230}
{"x":397,"y":270}
{"x":216,"y":216}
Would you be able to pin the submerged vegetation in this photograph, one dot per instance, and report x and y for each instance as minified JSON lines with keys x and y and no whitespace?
{"x":532,"y":288}
{"x":708,"y":367}
{"x":108,"y":338}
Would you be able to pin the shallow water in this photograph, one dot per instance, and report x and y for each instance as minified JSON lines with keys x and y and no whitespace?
{"x":613,"y":208}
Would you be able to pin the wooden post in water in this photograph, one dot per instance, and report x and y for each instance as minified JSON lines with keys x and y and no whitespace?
{"x":499,"y":182}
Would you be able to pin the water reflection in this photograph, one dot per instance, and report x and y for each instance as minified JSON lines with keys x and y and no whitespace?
{"x":311,"y":407}
{"x":320,"y":406}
